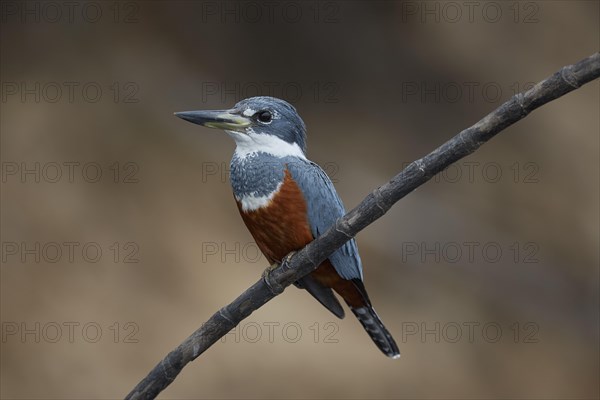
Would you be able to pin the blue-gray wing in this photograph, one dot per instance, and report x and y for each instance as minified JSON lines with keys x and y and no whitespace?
{"x":324,"y":208}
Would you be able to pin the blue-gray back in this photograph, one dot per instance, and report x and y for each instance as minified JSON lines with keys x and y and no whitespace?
{"x":259,"y":174}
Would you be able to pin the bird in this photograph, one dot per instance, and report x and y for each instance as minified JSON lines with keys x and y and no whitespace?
{"x":286,"y":201}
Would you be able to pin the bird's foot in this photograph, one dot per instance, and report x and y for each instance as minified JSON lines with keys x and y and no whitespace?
{"x":276,"y":287}
{"x":285,"y":263}
{"x":269,"y":269}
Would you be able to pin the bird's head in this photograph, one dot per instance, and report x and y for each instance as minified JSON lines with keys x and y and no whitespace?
{"x":257,"y":124}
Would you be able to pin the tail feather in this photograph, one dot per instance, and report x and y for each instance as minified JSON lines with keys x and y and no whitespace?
{"x":323,"y":294}
{"x":369,"y":319}
{"x":353,"y":291}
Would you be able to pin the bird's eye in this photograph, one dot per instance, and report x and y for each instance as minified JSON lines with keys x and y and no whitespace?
{"x":264,"y":116}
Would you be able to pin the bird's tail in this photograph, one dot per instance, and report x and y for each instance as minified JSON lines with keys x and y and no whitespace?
{"x":376,"y":330}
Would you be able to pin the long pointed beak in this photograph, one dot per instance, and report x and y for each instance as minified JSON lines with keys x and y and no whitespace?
{"x":220,"y":119}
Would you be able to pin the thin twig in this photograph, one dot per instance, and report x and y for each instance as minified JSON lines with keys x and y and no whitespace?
{"x":371,"y":208}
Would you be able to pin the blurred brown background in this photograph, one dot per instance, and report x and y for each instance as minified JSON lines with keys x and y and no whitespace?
{"x":487,"y":276}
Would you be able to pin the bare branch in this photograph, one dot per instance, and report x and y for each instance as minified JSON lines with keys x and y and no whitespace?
{"x":370,"y":209}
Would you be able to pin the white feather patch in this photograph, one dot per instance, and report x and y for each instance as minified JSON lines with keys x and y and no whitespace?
{"x":252,"y":203}
{"x":252,"y":143}
{"x":248,"y":112}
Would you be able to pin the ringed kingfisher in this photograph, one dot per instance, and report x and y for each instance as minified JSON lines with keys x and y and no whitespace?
{"x":286,"y":201}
